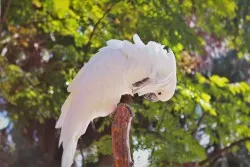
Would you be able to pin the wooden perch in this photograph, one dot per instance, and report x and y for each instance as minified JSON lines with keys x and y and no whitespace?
{"x":122,"y":118}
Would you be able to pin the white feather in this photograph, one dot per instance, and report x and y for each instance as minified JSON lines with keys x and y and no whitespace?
{"x":137,"y":40}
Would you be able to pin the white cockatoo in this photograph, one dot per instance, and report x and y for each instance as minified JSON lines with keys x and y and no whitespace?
{"x":119,"y":68}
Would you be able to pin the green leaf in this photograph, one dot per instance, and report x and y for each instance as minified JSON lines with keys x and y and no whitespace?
{"x":219,"y":81}
{"x":61,"y":7}
{"x":104,"y":145}
{"x":248,"y":145}
{"x":37,"y":3}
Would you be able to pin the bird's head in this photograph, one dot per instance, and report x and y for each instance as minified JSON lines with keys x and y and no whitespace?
{"x":165,"y":80}
{"x":162,"y":82}
{"x":162,"y":93}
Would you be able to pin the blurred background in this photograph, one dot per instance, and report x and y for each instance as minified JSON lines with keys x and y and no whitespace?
{"x":44,"y":43}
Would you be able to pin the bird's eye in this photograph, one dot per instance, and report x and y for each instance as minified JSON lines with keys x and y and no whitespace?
{"x":166,"y":48}
{"x":159,"y":93}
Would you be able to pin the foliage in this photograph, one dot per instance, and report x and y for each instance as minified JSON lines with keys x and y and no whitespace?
{"x":44,"y":43}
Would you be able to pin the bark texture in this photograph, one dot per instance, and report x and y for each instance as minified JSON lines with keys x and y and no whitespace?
{"x":122,"y":118}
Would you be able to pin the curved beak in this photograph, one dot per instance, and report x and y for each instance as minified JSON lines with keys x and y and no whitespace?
{"x":151,"y":97}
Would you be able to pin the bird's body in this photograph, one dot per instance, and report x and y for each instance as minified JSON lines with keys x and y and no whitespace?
{"x":111,"y":73}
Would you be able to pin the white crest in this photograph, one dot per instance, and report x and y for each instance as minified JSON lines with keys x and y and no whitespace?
{"x":137,"y":40}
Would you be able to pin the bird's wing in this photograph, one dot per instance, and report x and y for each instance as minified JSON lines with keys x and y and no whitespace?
{"x":95,"y":91}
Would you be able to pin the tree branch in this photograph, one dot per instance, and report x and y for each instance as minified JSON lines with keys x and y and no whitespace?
{"x":219,"y":152}
{"x":122,"y":118}
{"x":81,"y":149}
{"x":98,"y":22}
{"x":3,"y":19}
{"x":158,"y":129}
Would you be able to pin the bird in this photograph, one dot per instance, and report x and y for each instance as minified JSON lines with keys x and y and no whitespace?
{"x":121,"y":67}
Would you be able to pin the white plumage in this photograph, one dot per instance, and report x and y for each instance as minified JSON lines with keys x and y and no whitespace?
{"x":112,"y":72}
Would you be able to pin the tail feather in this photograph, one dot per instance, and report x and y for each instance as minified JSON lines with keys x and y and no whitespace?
{"x":74,"y":120}
{"x":64,"y":111}
{"x":68,"y":153}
